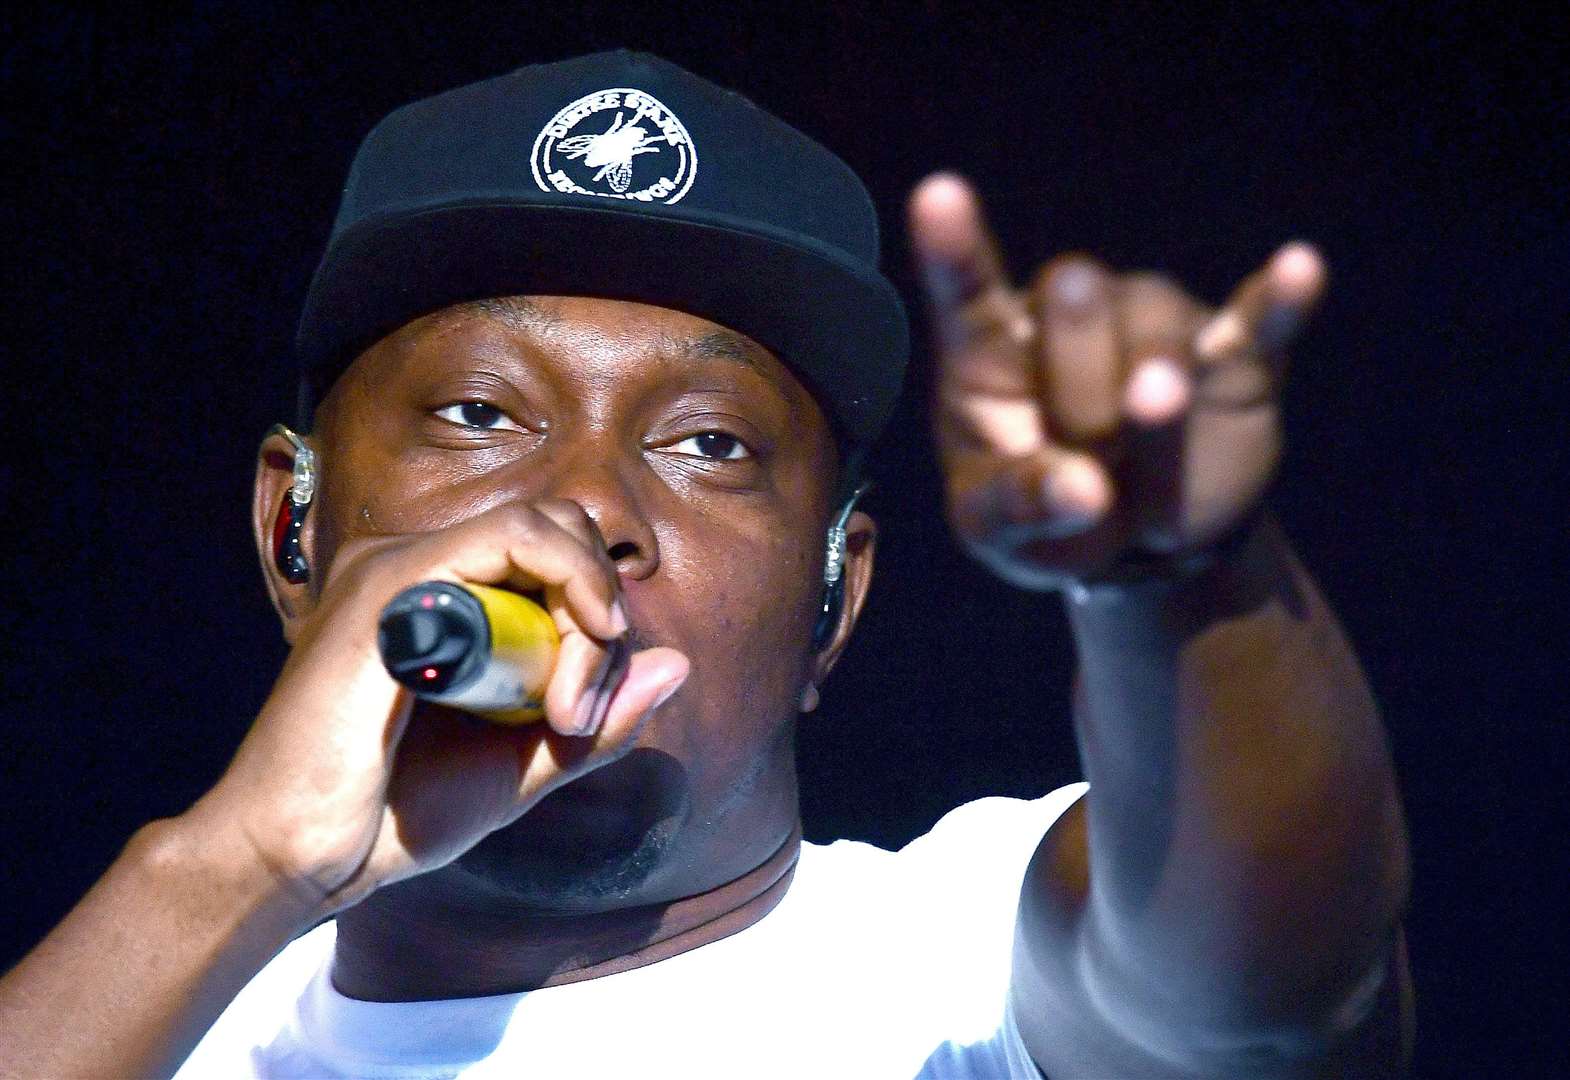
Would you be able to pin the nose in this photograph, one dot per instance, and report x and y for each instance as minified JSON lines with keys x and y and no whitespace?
{"x":595,"y":481}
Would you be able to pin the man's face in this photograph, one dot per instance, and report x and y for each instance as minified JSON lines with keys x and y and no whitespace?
{"x":709,"y":471}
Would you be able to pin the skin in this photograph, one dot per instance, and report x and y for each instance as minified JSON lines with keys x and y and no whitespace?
{"x":707,"y":570}
{"x":592,"y":411}
{"x":1226,"y":901}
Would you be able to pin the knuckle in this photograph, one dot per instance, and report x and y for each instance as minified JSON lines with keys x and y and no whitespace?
{"x":1157,"y":313}
{"x":572,"y":518}
{"x":562,"y":509}
{"x":995,"y":319}
{"x":566,"y":531}
{"x":518,"y":522}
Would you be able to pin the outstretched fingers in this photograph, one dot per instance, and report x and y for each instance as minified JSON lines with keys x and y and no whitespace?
{"x":1240,"y":353}
{"x":1011,"y":479}
{"x":983,"y":326}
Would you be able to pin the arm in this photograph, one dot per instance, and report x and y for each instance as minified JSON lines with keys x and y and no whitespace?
{"x":1228,"y":896}
{"x":1226,"y":899}
{"x":131,"y":979}
{"x":332,"y":794}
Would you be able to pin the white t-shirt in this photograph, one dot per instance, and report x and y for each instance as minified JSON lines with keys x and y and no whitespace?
{"x":874,"y":964}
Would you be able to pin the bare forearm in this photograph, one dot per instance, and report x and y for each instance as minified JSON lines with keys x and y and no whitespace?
{"x":136,"y":973}
{"x":1247,"y":853}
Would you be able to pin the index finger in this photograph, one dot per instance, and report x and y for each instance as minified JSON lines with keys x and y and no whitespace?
{"x":961,"y":267}
{"x":529,"y":548}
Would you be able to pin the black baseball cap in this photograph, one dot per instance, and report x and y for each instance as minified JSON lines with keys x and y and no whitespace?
{"x":618,"y":175}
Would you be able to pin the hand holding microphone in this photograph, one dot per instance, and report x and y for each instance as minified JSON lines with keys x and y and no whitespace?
{"x":492,"y":650}
{"x":333,"y":787}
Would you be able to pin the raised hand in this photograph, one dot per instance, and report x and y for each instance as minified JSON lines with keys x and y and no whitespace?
{"x":1094,"y":418}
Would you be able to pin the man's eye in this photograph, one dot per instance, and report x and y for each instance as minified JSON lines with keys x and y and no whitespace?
{"x":477,"y":414}
{"x":715,"y":445}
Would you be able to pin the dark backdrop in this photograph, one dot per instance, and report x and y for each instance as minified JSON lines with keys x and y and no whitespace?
{"x":174,"y":177}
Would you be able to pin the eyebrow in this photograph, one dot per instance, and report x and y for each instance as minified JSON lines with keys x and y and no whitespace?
{"x":513,"y":312}
{"x":519,"y":313}
{"x":722,"y":345}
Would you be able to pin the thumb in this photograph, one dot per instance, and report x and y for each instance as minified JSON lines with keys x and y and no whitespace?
{"x":653,"y":677}
{"x":459,"y":780}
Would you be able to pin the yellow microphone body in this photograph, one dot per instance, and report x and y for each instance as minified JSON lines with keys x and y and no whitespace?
{"x":473,"y":647}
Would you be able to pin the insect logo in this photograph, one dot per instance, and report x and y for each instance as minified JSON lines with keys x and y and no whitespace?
{"x":615,"y":144}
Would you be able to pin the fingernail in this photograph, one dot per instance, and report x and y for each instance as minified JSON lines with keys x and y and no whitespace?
{"x":583,"y":714}
{"x":1296,"y":269}
{"x":619,"y":621}
{"x":944,"y":281}
{"x":666,"y":694}
{"x":1157,"y":392}
{"x":601,"y":705}
{"x":1278,"y":325}
{"x":596,"y":702}
{"x":584,"y":711}
{"x":1074,"y":287}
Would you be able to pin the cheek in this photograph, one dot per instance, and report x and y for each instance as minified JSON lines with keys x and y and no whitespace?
{"x":763,"y":589}
{"x":413,"y":493}
{"x":751,"y":604}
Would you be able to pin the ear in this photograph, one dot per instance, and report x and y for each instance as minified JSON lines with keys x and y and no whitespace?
{"x":861,"y":542}
{"x":274,"y":478}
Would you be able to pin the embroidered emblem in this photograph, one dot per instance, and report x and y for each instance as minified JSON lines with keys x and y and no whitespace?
{"x":616,"y":144}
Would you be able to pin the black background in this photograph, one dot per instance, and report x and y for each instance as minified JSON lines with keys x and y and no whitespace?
{"x":173,"y":179}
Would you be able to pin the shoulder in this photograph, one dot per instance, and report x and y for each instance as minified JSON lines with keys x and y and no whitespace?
{"x":976,"y":842}
{"x":978,"y":852}
{"x":989,"y":840}
{"x":944,"y":906}
{"x":962,"y":874}
{"x":999,"y":817}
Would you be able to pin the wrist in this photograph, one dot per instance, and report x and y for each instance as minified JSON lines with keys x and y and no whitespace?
{"x":1176,"y":598}
{"x":212,"y":857}
{"x":1140,"y":569}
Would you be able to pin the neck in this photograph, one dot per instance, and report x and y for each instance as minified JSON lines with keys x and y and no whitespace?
{"x":424,"y":940}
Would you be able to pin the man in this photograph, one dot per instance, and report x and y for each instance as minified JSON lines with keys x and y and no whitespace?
{"x":599,"y":331}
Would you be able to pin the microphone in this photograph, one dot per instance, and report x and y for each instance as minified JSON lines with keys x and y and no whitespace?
{"x":480,"y":649}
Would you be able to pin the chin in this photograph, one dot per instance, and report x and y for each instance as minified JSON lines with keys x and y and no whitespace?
{"x":595,"y":844}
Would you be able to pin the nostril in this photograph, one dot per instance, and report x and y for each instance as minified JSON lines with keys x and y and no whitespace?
{"x":624,"y":550}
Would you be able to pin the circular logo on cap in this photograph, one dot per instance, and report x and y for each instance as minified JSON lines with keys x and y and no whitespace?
{"x":616,"y":144}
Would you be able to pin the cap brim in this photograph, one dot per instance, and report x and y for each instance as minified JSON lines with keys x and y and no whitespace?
{"x":840,"y":328}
